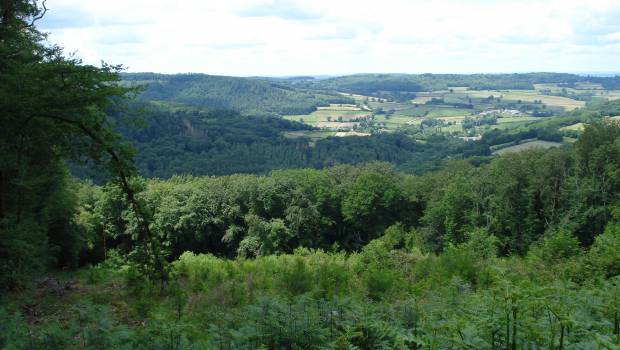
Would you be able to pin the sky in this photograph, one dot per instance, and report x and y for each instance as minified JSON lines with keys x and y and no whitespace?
{"x":339,"y":37}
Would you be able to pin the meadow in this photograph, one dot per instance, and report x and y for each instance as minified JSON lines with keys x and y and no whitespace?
{"x":333,"y":117}
{"x":535,"y":144}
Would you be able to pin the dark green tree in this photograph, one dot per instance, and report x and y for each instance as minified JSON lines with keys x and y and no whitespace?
{"x":53,"y":110}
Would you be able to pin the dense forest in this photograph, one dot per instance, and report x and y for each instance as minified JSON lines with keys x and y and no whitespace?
{"x":396,"y":259}
{"x":436,"y":246}
{"x":516,"y":198}
{"x":220,"y":142}
{"x":223,"y":142}
{"x":248,"y":96}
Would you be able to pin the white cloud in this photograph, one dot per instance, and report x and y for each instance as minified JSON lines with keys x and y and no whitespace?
{"x":286,"y":37}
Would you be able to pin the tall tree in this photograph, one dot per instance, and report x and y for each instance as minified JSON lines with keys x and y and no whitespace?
{"x":52,"y":109}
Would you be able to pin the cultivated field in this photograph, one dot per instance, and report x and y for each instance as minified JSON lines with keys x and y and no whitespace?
{"x":330,"y":117}
{"x":513,"y":108}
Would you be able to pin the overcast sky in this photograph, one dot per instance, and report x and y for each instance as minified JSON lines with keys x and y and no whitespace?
{"x":336,"y":37}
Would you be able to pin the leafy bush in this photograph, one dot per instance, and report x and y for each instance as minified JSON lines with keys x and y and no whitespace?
{"x":556,"y":246}
{"x":604,"y":255}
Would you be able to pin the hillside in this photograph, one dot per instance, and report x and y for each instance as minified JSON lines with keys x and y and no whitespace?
{"x":393,"y":85}
{"x":249,"y":96}
{"x":221,"y":142}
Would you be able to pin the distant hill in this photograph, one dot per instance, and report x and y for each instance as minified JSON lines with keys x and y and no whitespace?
{"x":249,"y":96}
{"x":433,"y":82}
{"x":221,"y":142}
{"x":302,"y":95}
{"x":389,"y":84}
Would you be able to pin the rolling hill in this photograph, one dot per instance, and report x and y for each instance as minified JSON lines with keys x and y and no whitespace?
{"x":249,"y":96}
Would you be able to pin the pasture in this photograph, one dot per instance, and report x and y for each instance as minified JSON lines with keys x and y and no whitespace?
{"x":331,"y":116}
{"x":527,"y":146}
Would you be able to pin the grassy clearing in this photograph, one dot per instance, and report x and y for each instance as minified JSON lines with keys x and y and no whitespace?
{"x":421,"y":99}
{"x":315,"y":134}
{"x":350,"y":133}
{"x":398,"y":120}
{"x":567,"y":139}
{"x":326,"y":116}
{"x":574,"y":127}
{"x":516,"y":119}
{"x":356,"y":97}
{"x":527,"y":146}
{"x":339,"y":107}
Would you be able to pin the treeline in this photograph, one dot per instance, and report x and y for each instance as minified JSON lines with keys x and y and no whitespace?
{"x":372,"y":84}
{"x":497,"y":137}
{"x":597,"y":109}
{"x":516,"y":198}
{"x":249,"y":96}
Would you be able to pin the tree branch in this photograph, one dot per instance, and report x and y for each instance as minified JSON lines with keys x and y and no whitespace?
{"x":39,"y":16}
{"x":124,"y":180}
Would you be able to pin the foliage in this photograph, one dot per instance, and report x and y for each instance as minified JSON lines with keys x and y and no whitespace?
{"x":218,"y":142}
{"x":248,"y":96}
{"x":53,"y":110}
{"x":375,"y":84}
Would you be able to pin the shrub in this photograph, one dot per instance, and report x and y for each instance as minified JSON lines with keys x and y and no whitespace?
{"x":297,"y":277}
{"x":481,"y":244}
{"x":604,"y":255}
{"x":556,"y":246}
{"x":380,"y":282}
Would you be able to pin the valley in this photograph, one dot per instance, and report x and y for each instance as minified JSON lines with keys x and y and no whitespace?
{"x":245,"y":199}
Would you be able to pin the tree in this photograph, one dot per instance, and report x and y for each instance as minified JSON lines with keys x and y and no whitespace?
{"x":53,"y":110}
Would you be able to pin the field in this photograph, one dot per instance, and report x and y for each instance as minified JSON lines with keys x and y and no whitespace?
{"x":312,"y":135}
{"x":574,"y":127}
{"x":527,"y":146}
{"x":332,"y":117}
{"x":456,"y":102}
{"x":529,"y":96}
{"x":613,"y":95}
{"x":397,"y":115}
{"x":455,"y":111}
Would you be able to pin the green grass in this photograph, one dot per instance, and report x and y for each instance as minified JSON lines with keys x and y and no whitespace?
{"x":516,"y":119}
{"x":322,"y":116}
{"x":526,"y":146}
{"x":573,"y":127}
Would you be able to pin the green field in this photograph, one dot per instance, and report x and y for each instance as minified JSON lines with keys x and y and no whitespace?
{"x":514,"y":110}
{"x":527,"y":146}
{"x":332,"y":117}
{"x":574,"y":127}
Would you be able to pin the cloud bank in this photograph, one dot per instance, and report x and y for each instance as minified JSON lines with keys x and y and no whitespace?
{"x":319,"y":37}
